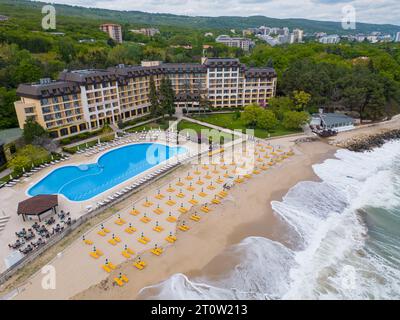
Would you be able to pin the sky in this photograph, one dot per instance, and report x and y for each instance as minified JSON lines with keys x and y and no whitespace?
{"x":371,"y":11}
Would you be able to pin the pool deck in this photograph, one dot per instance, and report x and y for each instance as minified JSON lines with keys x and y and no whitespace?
{"x":77,"y":270}
{"x":11,"y":196}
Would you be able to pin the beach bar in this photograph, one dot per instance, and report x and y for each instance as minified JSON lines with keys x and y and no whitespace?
{"x":332,"y":121}
{"x":39,"y":206}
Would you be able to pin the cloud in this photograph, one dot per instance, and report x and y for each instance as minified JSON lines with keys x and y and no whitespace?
{"x":332,"y":1}
{"x":372,"y":11}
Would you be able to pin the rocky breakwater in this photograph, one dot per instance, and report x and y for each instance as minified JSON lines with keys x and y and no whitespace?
{"x":370,"y":142}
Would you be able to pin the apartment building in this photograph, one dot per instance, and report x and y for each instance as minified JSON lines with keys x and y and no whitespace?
{"x":243,"y":43}
{"x":85,"y":100}
{"x":114,"y":31}
{"x":149,"y":32}
{"x":330,"y":39}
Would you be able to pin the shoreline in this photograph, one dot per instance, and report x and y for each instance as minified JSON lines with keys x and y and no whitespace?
{"x":219,"y":230}
{"x":223,"y":227}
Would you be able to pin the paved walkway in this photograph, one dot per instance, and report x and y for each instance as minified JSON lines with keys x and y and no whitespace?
{"x":115,"y":129}
{"x":153,"y":223}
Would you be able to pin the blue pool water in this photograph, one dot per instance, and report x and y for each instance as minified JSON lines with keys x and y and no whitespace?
{"x":85,"y":181}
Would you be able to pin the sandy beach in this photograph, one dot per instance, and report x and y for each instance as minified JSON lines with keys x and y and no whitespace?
{"x":245,"y":212}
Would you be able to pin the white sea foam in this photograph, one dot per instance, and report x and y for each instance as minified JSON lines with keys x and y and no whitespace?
{"x":333,"y":254}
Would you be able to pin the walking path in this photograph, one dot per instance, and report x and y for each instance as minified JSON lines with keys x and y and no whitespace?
{"x":151,"y":224}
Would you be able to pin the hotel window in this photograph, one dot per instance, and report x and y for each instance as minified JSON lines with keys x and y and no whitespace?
{"x":64,"y":132}
{"x":56,"y":108}
{"x":44,"y":101}
{"x":46,"y":110}
{"x":29,"y":110}
{"x":55,"y":100}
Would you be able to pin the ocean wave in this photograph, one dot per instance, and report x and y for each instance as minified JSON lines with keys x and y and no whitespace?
{"x":344,"y":233}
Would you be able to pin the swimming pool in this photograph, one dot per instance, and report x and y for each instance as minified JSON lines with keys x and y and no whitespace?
{"x":85,"y":181}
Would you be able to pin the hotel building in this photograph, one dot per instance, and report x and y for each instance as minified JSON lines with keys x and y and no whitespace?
{"x":114,"y":31}
{"x":149,"y":32}
{"x":85,"y":100}
{"x":235,"y":42}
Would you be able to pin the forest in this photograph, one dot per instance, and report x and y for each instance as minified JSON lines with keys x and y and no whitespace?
{"x":361,"y":78}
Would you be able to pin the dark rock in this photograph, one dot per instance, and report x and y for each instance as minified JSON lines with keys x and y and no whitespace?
{"x":371,"y":142}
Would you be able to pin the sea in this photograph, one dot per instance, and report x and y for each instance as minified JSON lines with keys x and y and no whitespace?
{"x":342,"y":239}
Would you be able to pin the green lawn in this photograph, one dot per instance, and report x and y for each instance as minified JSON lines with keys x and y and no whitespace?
{"x":227,"y":120}
{"x":184,"y":124}
{"x":163,"y":124}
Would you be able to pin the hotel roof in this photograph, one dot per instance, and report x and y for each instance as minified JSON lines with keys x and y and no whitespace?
{"x":87,"y":76}
{"x":69,"y":82}
{"x":37,"y":204}
{"x":333,"y":118}
{"x":50,"y":89}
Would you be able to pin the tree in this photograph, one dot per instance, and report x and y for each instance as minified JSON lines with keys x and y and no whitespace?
{"x":270,"y":63}
{"x":154,"y":103}
{"x":8,"y":117}
{"x":250,"y":115}
{"x":167,"y":97}
{"x":294,"y":119}
{"x":26,"y":156}
{"x":279,"y":105}
{"x":66,"y":49}
{"x":33,"y":130}
{"x":111,"y":42}
{"x":18,"y":163}
{"x":355,"y":98}
{"x":301,"y":99}
{"x":266,"y":120}
{"x":374,"y":109}
{"x":124,"y":54}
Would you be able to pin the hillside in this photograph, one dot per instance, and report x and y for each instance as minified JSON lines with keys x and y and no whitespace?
{"x":24,"y":9}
